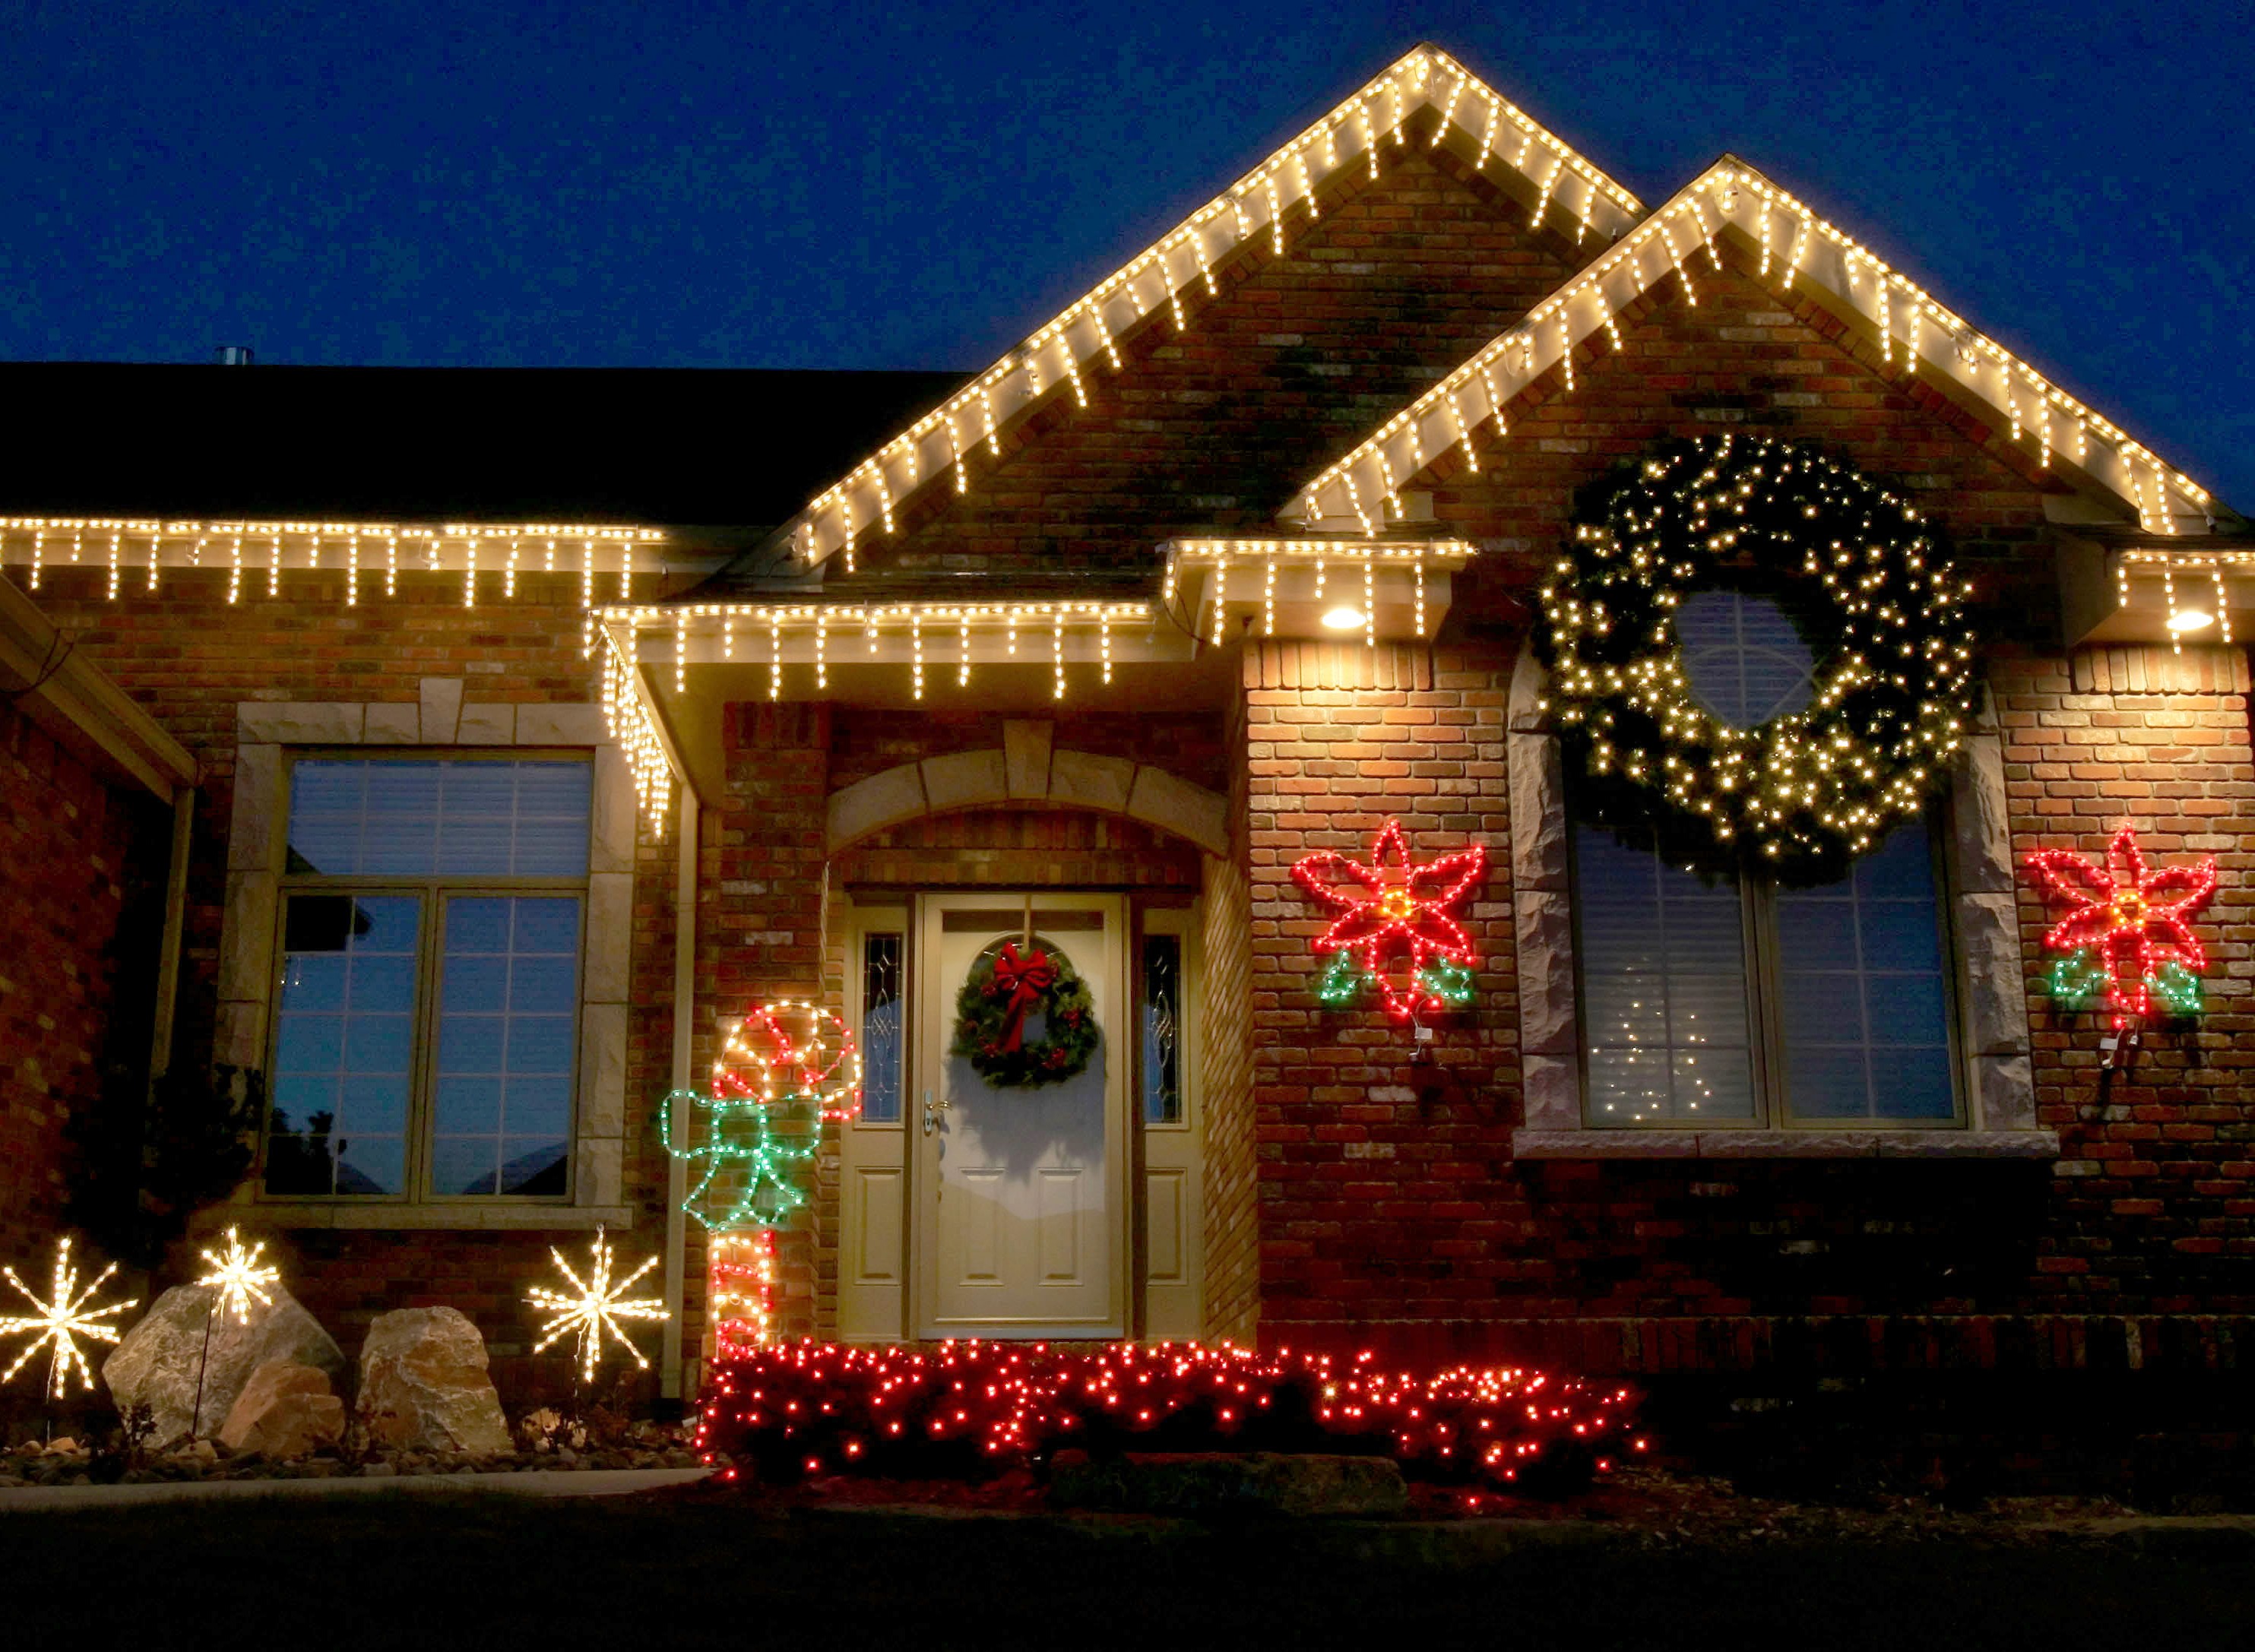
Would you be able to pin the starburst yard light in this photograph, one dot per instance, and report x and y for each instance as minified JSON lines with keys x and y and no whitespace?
{"x":62,"y":1318}
{"x":595,"y":1306}
{"x":238,"y":1277}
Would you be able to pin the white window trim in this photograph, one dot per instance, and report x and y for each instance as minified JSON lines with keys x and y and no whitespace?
{"x":249,"y":971}
{"x":1996,"y":1072}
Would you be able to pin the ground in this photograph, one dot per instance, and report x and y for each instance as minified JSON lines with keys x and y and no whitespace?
{"x":711,"y":1568}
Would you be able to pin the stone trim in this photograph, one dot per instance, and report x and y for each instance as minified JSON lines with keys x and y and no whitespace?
{"x":1025,"y":770}
{"x":247,"y":964}
{"x":1997,"y":1073}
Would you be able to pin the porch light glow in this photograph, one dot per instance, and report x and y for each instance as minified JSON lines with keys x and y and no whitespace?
{"x":1346,"y":617}
{"x":2190,"y":619}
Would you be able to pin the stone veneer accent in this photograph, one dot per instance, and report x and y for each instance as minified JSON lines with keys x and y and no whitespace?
{"x":256,"y":843}
{"x":1024,"y":770}
{"x":1996,"y":1069}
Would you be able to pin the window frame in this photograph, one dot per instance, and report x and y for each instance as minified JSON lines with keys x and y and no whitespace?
{"x":433,"y":891}
{"x":1766,"y":1046}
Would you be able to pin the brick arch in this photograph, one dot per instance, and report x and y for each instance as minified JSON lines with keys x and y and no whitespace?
{"x":1025,"y":772}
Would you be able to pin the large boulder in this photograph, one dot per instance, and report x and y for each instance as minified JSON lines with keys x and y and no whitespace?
{"x":424,"y":1387}
{"x":285,"y":1410}
{"x":155,"y":1364}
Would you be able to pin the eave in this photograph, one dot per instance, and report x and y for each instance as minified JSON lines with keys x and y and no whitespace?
{"x":1797,"y":251}
{"x":1275,"y":199}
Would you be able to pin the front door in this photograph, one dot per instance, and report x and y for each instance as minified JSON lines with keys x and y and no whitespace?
{"x":1021,"y":1194}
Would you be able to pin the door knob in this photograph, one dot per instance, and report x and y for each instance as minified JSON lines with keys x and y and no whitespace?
{"x":930,"y":1115}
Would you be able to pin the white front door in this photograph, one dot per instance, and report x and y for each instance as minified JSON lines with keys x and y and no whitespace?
{"x":1020,"y":1194}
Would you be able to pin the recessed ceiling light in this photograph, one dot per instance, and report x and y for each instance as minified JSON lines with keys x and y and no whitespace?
{"x":2190,"y":619}
{"x":1343,"y":617}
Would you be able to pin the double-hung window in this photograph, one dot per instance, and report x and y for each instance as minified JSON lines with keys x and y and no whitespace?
{"x":424,"y":1039}
{"x":1711,"y":997}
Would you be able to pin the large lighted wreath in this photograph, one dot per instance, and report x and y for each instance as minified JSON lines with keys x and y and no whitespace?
{"x":1869,"y":586}
{"x":1005,"y":990}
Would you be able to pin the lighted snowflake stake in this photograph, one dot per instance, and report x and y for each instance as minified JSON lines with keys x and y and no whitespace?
{"x":1389,"y":907}
{"x":62,"y":1318}
{"x":238,"y":1279}
{"x":596,"y":1306}
{"x":2129,"y":935}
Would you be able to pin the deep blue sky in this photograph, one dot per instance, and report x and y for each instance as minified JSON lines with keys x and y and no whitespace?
{"x":803,"y":185}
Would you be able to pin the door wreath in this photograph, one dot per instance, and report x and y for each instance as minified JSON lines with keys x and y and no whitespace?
{"x":1004,"y":989}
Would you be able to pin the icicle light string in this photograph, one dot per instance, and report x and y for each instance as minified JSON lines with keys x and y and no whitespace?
{"x":1551,"y":332}
{"x":342,"y":548}
{"x":1256,"y":210}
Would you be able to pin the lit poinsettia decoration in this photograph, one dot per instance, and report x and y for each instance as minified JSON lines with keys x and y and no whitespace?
{"x":2128,"y":937}
{"x":1392,"y":912}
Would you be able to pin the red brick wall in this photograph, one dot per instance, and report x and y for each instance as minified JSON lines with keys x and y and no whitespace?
{"x":72,"y":845}
{"x":1212,"y":428}
{"x":2153,"y":1206}
{"x":1225,"y":1072}
{"x":189,"y":657}
{"x":1390,"y":1204}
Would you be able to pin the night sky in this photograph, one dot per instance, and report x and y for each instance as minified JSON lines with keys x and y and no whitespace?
{"x":832,"y":185}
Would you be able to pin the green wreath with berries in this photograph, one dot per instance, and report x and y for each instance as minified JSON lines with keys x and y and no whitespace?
{"x":1866,"y":582}
{"x":995,"y":1012}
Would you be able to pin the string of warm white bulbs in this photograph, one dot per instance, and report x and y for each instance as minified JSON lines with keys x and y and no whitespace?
{"x":1915,"y":332}
{"x":1257,"y":211}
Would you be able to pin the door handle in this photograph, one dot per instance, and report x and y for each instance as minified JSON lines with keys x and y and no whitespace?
{"x":931,"y":1114}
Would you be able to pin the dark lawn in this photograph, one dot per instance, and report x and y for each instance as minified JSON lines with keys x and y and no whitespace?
{"x":627,"y":1575}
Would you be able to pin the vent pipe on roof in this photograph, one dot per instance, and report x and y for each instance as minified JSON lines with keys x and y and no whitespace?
{"x":232,"y":355}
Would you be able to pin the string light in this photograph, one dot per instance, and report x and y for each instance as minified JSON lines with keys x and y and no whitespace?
{"x":790,"y":1409}
{"x":2128,"y":933}
{"x":1889,"y":703}
{"x":1296,"y":173}
{"x":58,"y":1319}
{"x":1388,"y":906}
{"x":774,"y":655}
{"x":239,"y":1278}
{"x":593,"y":1307}
{"x":1868,"y":284}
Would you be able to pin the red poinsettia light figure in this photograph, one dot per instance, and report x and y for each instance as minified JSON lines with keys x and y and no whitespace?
{"x":2135,"y":919}
{"x":1391,"y":908}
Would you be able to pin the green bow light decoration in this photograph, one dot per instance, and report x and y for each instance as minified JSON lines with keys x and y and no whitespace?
{"x":747,"y":1174}
{"x":748,"y":1171}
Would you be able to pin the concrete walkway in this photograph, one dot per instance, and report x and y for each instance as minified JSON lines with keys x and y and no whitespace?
{"x":529,"y":1482}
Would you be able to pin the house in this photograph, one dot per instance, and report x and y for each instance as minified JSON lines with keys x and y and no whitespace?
{"x":1696,"y":1017}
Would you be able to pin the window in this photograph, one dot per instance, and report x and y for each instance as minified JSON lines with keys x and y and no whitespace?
{"x":1724,"y":1000}
{"x":1161,"y":1002}
{"x":1710,"y":997}
{"x":882,"y":1046}
{"x":426,"y":1034}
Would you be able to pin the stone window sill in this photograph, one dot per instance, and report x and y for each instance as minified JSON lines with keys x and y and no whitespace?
{"x":1783,"y":1144}
{"x":427,"y":1218}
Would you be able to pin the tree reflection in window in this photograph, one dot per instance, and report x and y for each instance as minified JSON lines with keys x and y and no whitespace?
{"x":881,"y":1029}
{"x":1162,"y":1016}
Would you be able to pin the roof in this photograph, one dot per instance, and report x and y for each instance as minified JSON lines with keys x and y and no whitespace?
{"x":1798,"y":248}
{"x":1264,"y":207}
{"x":655,"y":446}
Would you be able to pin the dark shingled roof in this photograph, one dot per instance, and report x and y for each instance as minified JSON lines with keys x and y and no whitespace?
{"x":658,"y":446}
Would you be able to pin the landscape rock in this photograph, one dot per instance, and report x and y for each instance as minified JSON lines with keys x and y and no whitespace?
{"x":155,"y":1363}
{"x":284,"y":1411}
{"x":424,"y":1387}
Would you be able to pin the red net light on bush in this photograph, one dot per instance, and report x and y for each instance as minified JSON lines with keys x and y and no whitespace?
{"x":969,"y":1409}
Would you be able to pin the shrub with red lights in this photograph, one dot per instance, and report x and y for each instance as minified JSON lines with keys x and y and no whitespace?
{"x":970,"y":1409}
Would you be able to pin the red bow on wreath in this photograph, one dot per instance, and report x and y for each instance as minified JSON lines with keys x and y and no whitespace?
{"x":1026,"y":980}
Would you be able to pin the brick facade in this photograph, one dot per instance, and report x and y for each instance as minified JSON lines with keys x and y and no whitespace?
{"x":82,"y":856}
{"x":1352,"y":1194}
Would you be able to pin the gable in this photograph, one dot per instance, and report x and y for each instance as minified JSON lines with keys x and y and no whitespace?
{"x":1748,"y":360}
{"x":1266,"y":213}
{"x":1210,"y":430}
{"x":1796,"y":251}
